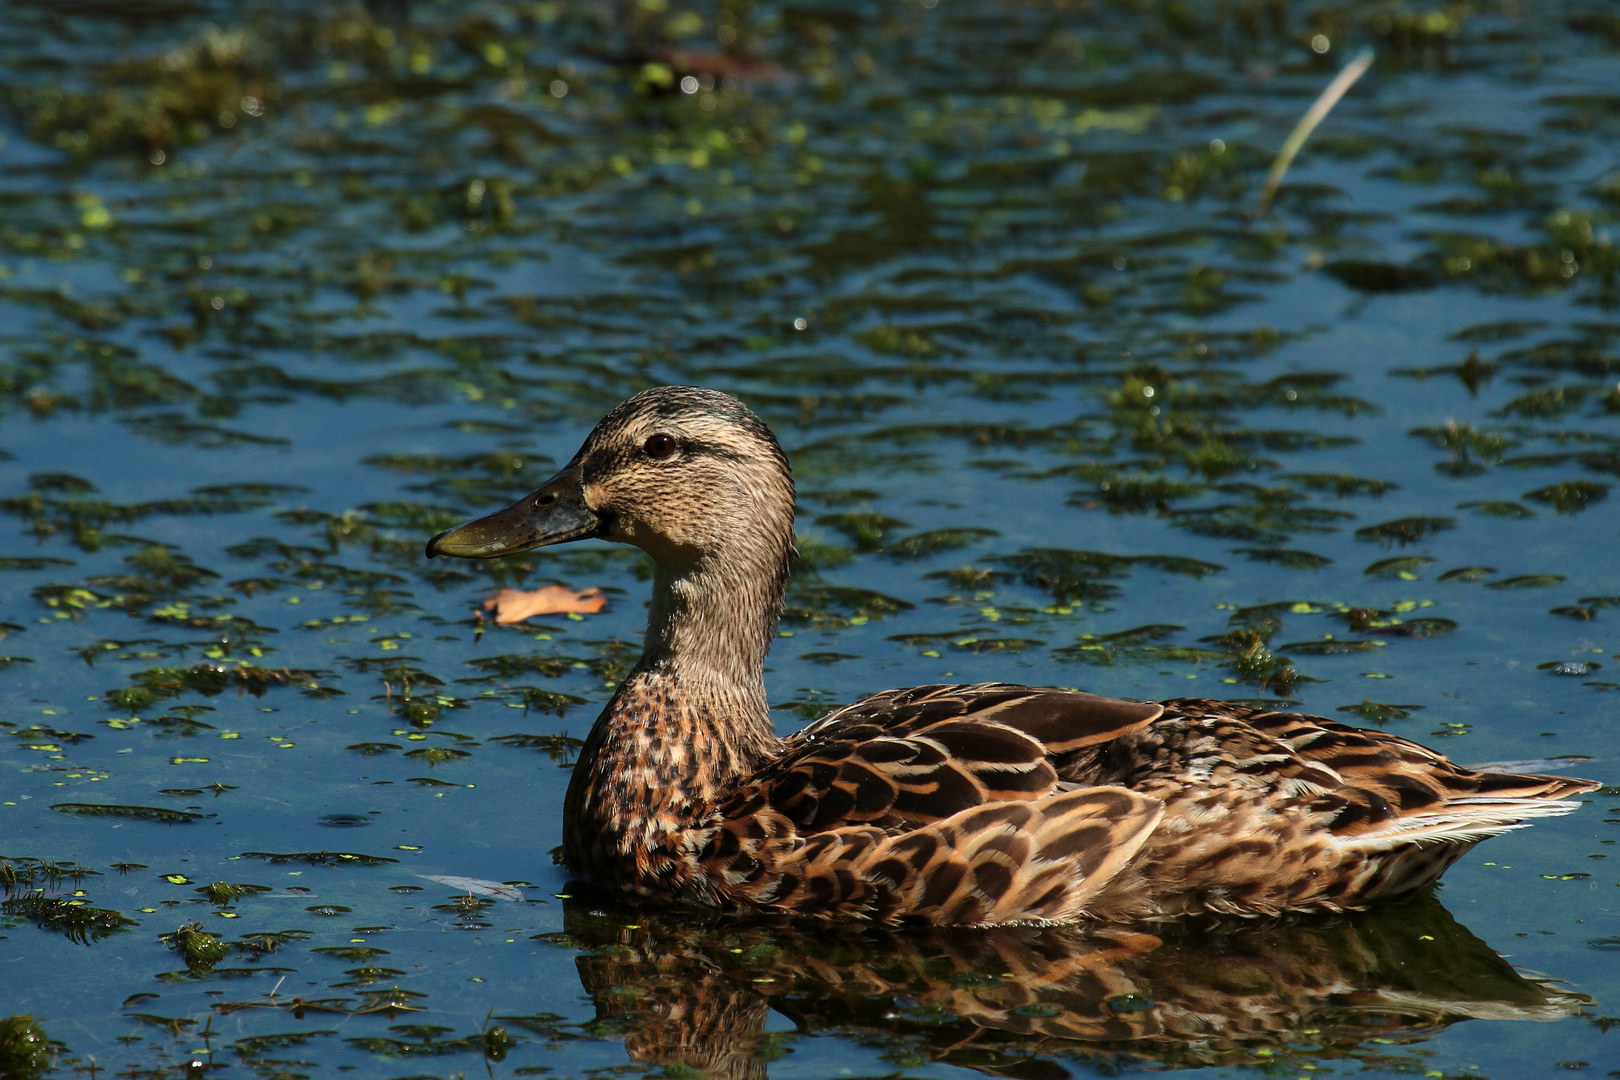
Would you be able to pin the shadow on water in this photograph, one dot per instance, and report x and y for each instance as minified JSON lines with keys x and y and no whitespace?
{"x":1017,"y":1001}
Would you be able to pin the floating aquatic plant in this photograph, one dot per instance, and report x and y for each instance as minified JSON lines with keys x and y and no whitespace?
{"x":73,"y":919}
{"x":1571,"y":496}
{"x":26,"y":1051}
{"x":134,"y":813}
{"x":319,"y":858}
{"x":1374,"y":712}
{"x":1404,"y":531}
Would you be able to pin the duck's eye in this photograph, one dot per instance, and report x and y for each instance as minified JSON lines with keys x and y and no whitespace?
{"x":660,"y":446}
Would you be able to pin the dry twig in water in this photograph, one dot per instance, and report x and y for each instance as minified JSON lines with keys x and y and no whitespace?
{"x":1318,"y":111}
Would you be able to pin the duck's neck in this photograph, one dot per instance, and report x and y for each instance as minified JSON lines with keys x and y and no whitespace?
{"x":689,"y":721}
{"x":709,"y":627}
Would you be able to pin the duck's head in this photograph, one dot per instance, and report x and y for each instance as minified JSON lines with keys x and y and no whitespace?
{"x":686,"y":474}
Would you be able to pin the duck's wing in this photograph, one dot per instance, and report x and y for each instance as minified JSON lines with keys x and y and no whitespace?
{"x":1062,"y":720}
{"x":942,"y":803}
{"x":908,"y":758}
{"x":1009,"y":862}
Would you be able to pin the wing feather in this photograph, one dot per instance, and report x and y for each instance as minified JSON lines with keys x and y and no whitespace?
{"x":997,"y":863}
{"x":910,"y":757}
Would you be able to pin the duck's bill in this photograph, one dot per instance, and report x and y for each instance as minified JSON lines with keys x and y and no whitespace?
{"x":555,"y":514}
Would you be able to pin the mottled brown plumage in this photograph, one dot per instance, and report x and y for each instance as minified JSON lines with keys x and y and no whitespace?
{"x":967,"y":805}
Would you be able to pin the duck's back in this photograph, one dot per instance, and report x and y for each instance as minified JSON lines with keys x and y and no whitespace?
{"x":1001,"y":803}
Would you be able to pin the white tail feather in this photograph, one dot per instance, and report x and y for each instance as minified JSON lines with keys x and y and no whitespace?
{"x":1464,"y":821}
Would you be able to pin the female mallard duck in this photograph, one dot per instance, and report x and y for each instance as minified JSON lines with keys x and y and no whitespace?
{"x":967,"y":805}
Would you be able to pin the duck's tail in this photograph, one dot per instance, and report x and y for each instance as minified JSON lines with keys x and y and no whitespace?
{"x":1413,"y":850}
{"x":1497,"y":803}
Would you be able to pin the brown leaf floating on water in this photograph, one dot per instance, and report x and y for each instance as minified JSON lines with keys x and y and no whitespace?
{"x":515,"y":605}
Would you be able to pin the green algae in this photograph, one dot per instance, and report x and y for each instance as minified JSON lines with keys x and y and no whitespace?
{"x":225,"y":893}
{"x":1404,"y":531}
{"x":319,"y":858}
{"x":1526,"y":581}
{"x":25,"y":1049}
{"x":72,"y":919}
{"x":1571,"y":496}
{"x":1290,"y":558}
{"x":133,"y":813}
{"x":1374,"y":712}
{"x":1404,"y":567}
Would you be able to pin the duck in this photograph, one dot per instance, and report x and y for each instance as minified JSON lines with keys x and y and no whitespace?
{"x":981,"y":805}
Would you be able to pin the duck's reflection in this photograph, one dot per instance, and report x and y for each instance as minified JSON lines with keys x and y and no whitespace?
{"x":687,"y":990}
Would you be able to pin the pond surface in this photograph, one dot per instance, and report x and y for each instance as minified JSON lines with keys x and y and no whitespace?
{"x":286,"y":288}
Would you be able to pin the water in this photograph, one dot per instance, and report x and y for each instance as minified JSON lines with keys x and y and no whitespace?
{"x":286,"y":288}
